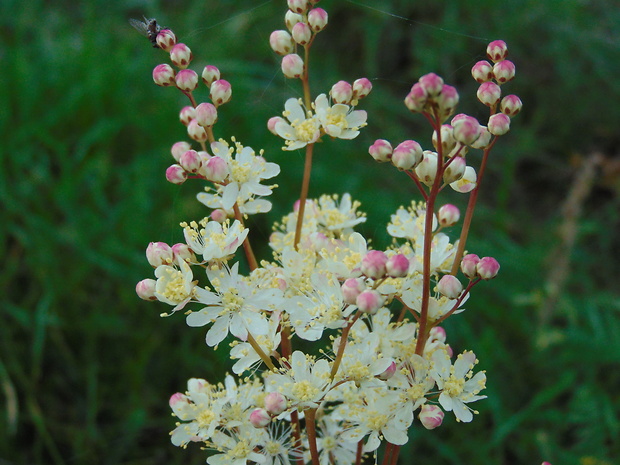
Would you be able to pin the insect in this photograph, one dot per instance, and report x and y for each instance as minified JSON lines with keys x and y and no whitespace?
{"x":148,"y":28}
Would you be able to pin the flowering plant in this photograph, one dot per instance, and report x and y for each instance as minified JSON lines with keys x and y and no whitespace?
{"x":380,"y":356}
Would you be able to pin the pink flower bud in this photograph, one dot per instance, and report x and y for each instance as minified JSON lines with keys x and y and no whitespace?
{"x":281,"y":42}
{"x":416,"y":98}
{"x":166,"y":39}
{"x":484,"y":140}
{"x":176,"y":174}
{"x":216,"y":170}
{"x":186,"y":80}
{"x":468,"y":265}
{"x":389,"y":372}
{"x":497,"y":51}
{"x":407,"y":155}
{"x":482,"y":71}
{"x":301,"y":33}
{"x":449,"y":286}
{"x":454,"y":170}
{"x":361,"y":88}
{"x":437,"y":334}
{"x":183,"y":252}
{"x":206,"y":114}
{"x":351,"y":288}
{"x":489,"y":93}
{"x":369,"y":301}
{"x":373,"y":264}
{"x":447,"y":100}
{"x":210,"y":74}
{"x":381,"y":150}
{"x":397,"y":266}
{"x":292,"y":66}
{"x":448,"y":215}
{"x":297,"y":6}
{"x":432,"y":84}
{"x":447,"y":139}
{"x":271,"y":124}
{"x":218,"y":215}
{"x":291,"y":18}
{"x":504,"y":71}
{"x":275,"y":403}
{"x":341,"y":92}
{"x":163,"y":75}
{"x":190,"y":161}
{"x":487,"y":268}
{"x":317,"y":19}
{"x":545,"y":463}
{"x":179,"y":148}
{"x":187,"y":114}
{"x":146,"y":289}
{"x":466,"y":129}
{"x":196,"y":131}
{"x":427,"y":169}
{"x":499,"y":124}
{"x":259,"y":418}
{"x":510,"y":105}
{"x":159,"y":253}
{"x":431,"y":416}
{"x":181,"y":56}
{"x":221,"y":92}
{"x":467,"y":183}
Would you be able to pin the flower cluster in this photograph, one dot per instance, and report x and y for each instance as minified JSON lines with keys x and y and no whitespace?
{"x":374,"y":315}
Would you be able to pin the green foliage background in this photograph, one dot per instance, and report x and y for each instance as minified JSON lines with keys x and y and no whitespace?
{"x":86,"y":367}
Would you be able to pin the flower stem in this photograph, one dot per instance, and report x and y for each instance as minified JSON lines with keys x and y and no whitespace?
{"x":247,"y":247}
{"x":311,"y":432}
{"x":343,"y":343}
{"x":305,"y":186}
{"x":257,"y":348}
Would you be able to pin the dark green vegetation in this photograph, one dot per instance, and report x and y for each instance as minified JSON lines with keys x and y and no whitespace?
{"x":86,"y":368}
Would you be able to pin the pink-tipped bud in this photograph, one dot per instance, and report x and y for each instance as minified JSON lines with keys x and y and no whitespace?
{"x":448,"y":215}
{"x":373,"y":264}
{"x":218,"y":215}
{"x":191,"y":161}
{"x":407,"y":155}
{"x":166,"y":39}
{"x":487,"y":268}
{"x":281,"y":42}
{"x":179,"y":148}
{"x":206,"y":114}
{"x":317,"y":19}
{"x":466,"y":129}
{"x":210,"y":74}
{"x":499,"y":124}
{"x":497,"y":51}
{"x":351,"y":288}
{"x":484,"y":140}
{"x":275,"y":403}
{"x":545,"y":463}
{"x":216,"y":170}
{"x":510,"y":105}
{"x":341,"y":92}
{"x":468,"y":265}
{"x":181,"y":56}
{"x":447,"y":139}
{"x":182,"y":251}
{"x":449,"y":286}
{"x":163,"y":75}
{"x":176,"y":174}
{"x":292,"y":66}
{"x":369,"y":301}
{"x":416,"y":98}
{"x":361,"y":88}
{"x":397,"y":266}
{"x":432,"y":84}
{"x":221,"y":92}
{"x":297,"y":6}
{"x":427,"y":168}
{"x":381,"y":150}
{"x":301,"y":33}
{"x":196,"y":131}
{"x":159,"y":253}
{"x":186,"y":80}
{"x":271,"y":124}
{"x":146,"y":289}
{"x":489,"y":93}
{"x":389,"y":372}
{"x":259,"y":418}
{"x":467,"y":183}
{"x":431,"y":416}
{"x":187,"y":114}
{"x":291,"y":18}
{"x":482,"y":71}
{"x":447,"y":100}
{"x":504,"y":71}
{"x":437,"y":334}
{"x":454,"y":170}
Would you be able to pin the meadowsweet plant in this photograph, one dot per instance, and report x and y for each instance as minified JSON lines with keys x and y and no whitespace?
{"x":375,"y":360}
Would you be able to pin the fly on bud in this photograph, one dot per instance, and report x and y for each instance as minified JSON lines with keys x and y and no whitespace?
{"x":148,"y":28}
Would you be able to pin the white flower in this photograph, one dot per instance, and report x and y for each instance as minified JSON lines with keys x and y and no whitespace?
{"x":212,"y":240}
{"x":467,"y":183}
{"x":174,"y":284}
{"x":362,"y":360}
{"x":410,"y":223}
{"x":238,"y":447}
{"x":332,"y":447}
{"x":343,"y":217}
{"x":437,"y":306}
{"x":457,"y":383}
{"x":301,"y":129}
{"x":339,"y":120}
{"x":245,"y":353}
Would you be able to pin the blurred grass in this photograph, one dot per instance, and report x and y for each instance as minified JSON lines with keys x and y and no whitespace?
{"x":86,"y":367}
